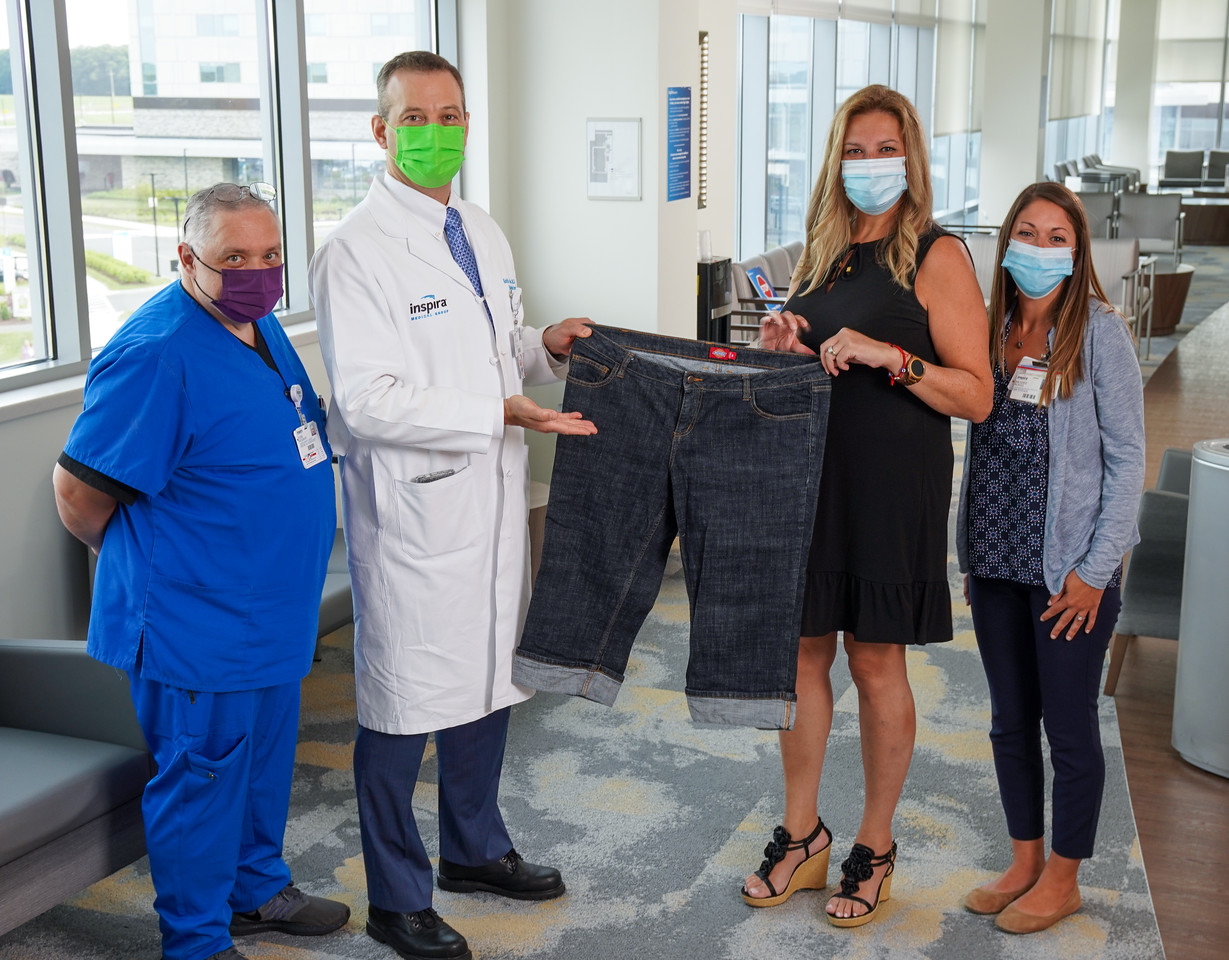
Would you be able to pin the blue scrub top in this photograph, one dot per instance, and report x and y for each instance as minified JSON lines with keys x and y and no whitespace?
{"x":214,"y":573}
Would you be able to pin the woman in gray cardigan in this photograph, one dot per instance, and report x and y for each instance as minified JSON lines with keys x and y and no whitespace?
{"x":1052,"y":483}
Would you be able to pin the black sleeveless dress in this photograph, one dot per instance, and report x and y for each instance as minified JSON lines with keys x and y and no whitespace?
{"x":878,"y":562}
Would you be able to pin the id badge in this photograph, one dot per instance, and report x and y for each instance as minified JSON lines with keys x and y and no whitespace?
{"x":311,"y":446}
{"x":1025,"y":385}
{"x":517,"y":336}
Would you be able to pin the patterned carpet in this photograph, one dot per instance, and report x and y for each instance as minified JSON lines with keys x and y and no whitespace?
{"x":655,"y":821}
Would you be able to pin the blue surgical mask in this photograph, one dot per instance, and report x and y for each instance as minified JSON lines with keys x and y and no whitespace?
{"x":874,"y":185}
{"x":1037,"y":270}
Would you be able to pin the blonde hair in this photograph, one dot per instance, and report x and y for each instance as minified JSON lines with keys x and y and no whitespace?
{"x":1070,"y":310}
{"x":830,"y":215}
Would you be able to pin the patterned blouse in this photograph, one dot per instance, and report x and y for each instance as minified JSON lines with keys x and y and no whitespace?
{"x":1008,"y":483}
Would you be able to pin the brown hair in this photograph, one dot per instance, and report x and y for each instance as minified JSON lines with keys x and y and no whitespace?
{"x":830,"y":215}
{"x":1070,"y":309}
{"x":415,"y":61}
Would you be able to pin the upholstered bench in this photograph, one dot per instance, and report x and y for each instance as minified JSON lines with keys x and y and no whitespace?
{"x":73,"y":766}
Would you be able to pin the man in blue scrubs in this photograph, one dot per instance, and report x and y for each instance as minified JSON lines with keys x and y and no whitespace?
{"x":199,"y":473}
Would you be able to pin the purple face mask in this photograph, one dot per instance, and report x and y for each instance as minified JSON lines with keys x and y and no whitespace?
{"x":247,"y":295}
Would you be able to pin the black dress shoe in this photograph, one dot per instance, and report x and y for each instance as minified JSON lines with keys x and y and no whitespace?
{"x":509,"y":876}
{"x":416,"y":936}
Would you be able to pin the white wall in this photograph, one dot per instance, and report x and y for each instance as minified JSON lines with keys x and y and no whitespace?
{"x":543,"y":68}
{"x":43,"y":570}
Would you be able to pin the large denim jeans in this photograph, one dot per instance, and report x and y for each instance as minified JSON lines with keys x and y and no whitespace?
{"x":720,"y":445}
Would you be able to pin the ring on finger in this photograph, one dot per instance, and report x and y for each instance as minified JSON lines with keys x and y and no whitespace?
{"x":832,"y":351}
{"x":1079,"y":616}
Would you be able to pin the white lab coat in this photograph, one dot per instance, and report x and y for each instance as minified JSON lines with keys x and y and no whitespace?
{"x":440,"y":570}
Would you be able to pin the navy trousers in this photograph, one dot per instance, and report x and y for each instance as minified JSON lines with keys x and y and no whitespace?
{"x":472,"y":832}
{"x":215,"y":814}
{"x":1034,"y":681}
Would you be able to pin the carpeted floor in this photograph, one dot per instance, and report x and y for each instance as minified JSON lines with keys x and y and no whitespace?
{"x":655,"y":822}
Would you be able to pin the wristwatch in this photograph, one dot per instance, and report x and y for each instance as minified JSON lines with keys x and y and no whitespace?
{"x":913,"y":371}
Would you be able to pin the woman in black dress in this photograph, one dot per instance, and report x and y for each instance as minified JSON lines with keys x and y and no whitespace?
{"x":890,"y":304}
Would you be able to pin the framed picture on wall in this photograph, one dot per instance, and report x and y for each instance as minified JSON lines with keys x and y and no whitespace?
{"x":613,"y":147}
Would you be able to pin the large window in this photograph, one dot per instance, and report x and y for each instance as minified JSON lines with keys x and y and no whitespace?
{"x":357,"y":41}
{"x":794,"y":73}
{"x":113,"y":112}
{"x":140,"y":158}
{"x":1189,"y":96}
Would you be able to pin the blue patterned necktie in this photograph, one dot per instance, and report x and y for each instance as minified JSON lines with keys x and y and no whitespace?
{"x":461,"y":251}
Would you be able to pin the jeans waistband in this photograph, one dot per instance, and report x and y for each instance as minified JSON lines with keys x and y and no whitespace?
{"x":717,"y":366}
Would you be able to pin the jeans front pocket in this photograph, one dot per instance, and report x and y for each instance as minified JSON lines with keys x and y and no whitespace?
{"x":589,"y":373}
{"x":792,"y":401}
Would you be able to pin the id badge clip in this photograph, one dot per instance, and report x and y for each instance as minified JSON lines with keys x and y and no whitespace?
{"x":307,"y":435}
{"x":1026,"y":382}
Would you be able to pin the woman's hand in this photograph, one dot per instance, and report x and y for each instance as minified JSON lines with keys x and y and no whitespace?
{"x":780,"y":332}
{"x":848,"y":346}
{"x":1076,"y":606}
{"x":967,"y":601}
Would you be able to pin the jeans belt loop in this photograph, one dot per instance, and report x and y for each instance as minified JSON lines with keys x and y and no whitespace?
{"x":746,"y":386}
{"x":627,"y":358}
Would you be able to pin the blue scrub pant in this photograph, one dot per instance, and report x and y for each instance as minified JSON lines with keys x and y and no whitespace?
{"x":1037,"y":681}
{"x":216,"y":812}
{"x":472,"y":832}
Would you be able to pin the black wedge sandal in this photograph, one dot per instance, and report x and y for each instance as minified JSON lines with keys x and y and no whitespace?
{"x":811,"y":874}
{"x":856,"y":870}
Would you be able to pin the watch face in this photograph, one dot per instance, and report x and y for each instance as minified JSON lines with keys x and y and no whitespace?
{"x":916,"y":368}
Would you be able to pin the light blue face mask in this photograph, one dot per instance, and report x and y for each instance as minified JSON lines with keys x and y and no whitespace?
{"x":874,"y":185}
{"x":1037,"y":270}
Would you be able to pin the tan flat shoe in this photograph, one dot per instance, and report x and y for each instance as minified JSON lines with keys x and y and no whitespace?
{"x":985,"y":901}
{"x":1015,"y":920}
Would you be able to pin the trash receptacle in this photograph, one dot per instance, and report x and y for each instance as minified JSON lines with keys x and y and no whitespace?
{"x":1201,"y":708}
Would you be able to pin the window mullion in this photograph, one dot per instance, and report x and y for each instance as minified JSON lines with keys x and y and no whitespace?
{"x":284,"y":83}
{"x":55,"y":173}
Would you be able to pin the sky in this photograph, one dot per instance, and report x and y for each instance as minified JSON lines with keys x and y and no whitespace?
{"x":90,"y":23}
{"x":96,"y":22}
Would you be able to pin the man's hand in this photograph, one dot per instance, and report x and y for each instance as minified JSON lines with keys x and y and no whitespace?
{"x":520,"y":411}
{"x":559,"y":337}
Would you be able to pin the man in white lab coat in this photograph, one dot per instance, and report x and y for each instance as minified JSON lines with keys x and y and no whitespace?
{"x":422,"y":335}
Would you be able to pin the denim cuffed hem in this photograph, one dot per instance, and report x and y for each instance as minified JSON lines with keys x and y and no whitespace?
{"x":765,"y":713}
{"x":556,"y":678}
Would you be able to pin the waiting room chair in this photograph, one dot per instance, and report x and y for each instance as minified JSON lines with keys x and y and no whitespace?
{"x":1102,"y":211}
{"x":750,"y":307}
{"x":1156,"y":219}
{"x":983,"y":250}
{"x":1217,"y":161}
{"x":1182,"y":168}
{"x":1133,"y":173}
{"x":794,"y":249}
{"x":779,"y":269}
{"x":1128,"y":281}
{"x":1152,"y":582}
{"x":1175,"y":472}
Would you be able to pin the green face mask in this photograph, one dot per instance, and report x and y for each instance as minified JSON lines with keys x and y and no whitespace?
{"x":430,"y":155}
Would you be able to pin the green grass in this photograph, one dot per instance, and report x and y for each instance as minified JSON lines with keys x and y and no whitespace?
{"x":10,"y":345}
